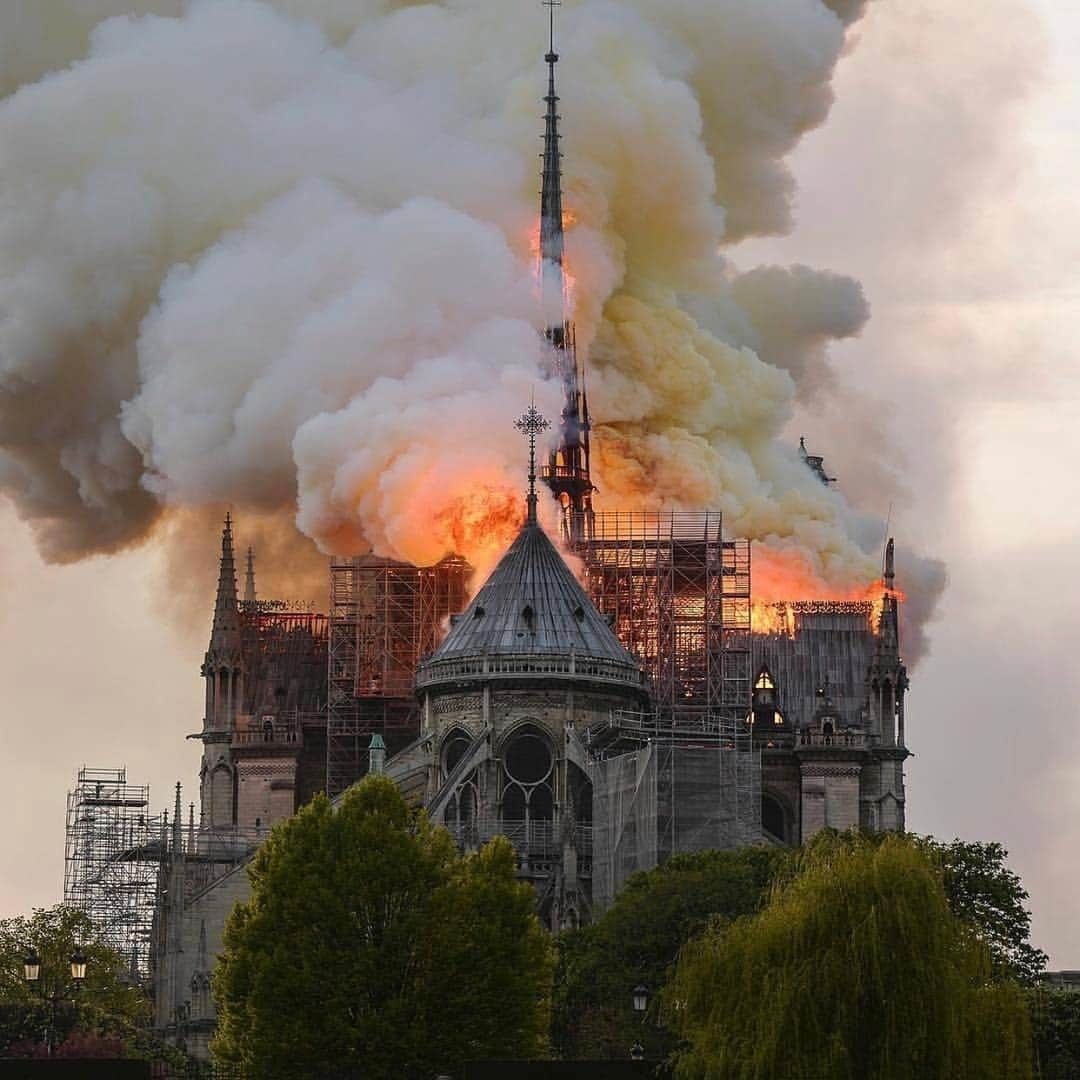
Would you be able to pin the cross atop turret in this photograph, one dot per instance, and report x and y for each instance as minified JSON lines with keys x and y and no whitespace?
{"x":531,"y":424}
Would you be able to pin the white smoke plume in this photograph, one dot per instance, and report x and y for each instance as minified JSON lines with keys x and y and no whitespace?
{"x":281,"y":254}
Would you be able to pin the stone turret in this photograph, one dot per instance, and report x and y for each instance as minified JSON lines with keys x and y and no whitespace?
{"x":507,"y":700}
{"x":222,"y":671}
{"x":886,"y":687}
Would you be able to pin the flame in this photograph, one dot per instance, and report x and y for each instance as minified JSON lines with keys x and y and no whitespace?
{"x":784,"y":577}
{"x":479,"y":525}
{"x":570,"y":219}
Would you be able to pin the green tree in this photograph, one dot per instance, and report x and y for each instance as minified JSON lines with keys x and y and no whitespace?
{"x":370,"y":947}
{"x":637,"y":940}
{"x":106,"y":1005}
{"x":856,"y":970}
{"x":982,"y":890}
{"x":1055,"y":1022}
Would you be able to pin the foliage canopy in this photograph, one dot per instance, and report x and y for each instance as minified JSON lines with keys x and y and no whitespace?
{"x":106,"y":1005}
{"x":857,"y":968}
{"x":370,"y":947}
{"x":984,"y":892}
{"x":1055,"y":1019}
{"x":637,"y":940}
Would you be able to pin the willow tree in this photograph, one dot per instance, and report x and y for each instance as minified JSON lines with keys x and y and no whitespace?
{"x":856,"y":970}
{"x":371,"y":948}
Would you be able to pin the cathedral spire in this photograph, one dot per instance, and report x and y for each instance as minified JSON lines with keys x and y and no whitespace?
{"x":887,"y":676}
{"x":566,"y":472}
{"x":551,"y":211}
{"x":249,"y":578}
{"x":226,"y":626}
{"x":889,"y":628}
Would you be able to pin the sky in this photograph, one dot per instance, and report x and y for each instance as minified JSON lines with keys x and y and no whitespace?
{"x":943,"y":181}
{"x":961,"y":221}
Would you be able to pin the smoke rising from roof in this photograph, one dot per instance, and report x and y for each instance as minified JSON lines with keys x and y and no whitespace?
{"x":280,"y":254}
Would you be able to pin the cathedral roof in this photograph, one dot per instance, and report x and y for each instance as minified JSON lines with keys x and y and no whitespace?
{"x":530,"y":617}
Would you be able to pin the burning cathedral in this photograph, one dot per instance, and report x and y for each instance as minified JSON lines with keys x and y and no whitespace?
{"x":604,"y":698}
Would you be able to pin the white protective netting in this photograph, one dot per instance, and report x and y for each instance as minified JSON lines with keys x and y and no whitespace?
{"x":670,"y":797}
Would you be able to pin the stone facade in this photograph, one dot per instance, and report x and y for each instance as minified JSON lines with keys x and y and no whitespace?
{"x":509,"y":706}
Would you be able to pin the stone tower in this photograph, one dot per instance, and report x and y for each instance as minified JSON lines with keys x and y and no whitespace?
{"x":264,"y":728}
{"x":887,"y":684}
{"x":223,"y":673}
{"x":828,"y":714}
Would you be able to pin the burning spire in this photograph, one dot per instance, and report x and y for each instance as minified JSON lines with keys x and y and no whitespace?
{"x":551,"y":213}
{"x":567,"y":470}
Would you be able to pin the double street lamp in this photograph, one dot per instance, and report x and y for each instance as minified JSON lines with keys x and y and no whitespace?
{"x":641,"y":1004}
{"x":32,"y":974}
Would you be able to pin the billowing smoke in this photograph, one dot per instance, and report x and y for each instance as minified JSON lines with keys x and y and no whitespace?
{"x":281,"y":254}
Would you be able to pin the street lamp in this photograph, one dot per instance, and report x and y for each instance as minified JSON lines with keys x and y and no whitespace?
{"x":32,"y":974}
{"x":32,"y":966}
{"x":78,"y":965}
{"x":641,"y":1003}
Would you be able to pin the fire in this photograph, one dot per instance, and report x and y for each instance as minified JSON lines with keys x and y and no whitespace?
{"x":479,"y":525}
{"x":570,"y":219}
{"x":782,"y":578}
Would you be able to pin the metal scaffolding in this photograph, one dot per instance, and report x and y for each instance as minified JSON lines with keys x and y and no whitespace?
{"x":385,"y":616}
{"x":686,"y":776}
{"x":678,"y":596}
{"x":111,"y":855}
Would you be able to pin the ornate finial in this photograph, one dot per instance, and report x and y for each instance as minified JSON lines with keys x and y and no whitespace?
{"x":531,"y":424}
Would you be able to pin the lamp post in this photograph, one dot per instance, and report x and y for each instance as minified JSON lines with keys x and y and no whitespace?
{"x":32,"y":975}
{"x":641,"y":1004}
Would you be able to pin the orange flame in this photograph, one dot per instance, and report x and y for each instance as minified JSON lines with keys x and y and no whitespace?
{"x":784,"y":577}
{"x":480,"y":525}
{"x":570,"y":219}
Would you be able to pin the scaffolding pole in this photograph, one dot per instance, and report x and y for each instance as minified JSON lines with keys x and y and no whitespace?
{"x":111,"y":855}
{"x":385,"y":617}
{"x":678,"y":596}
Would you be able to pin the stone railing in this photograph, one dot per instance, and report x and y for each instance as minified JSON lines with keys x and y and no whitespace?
{"x":281,"y":734}
{"x":535,"y":839}
{"x":513,"y":666}
{"x":849,"y":740}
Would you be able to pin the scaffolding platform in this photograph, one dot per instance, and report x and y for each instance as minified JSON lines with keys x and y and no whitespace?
{"x":385,"y":616}
{"x":111,"y":855}
{"x":678,"y":596}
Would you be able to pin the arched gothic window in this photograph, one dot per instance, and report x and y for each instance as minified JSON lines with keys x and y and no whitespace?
{"x":528,"y":794}
{"x":454,"y":747}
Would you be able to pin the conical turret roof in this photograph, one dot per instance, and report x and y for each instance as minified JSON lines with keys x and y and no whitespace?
{"x":225,"y":632}
{"x":530,"y":617}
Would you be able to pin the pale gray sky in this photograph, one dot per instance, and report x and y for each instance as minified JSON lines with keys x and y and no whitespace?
{"x":944,"y":181}
{"x":953,"y":200}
